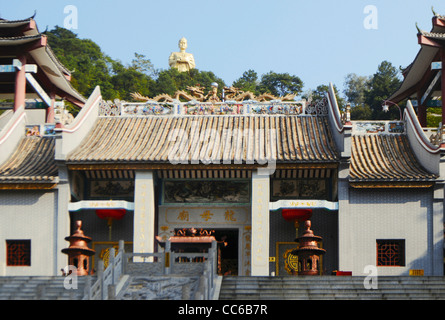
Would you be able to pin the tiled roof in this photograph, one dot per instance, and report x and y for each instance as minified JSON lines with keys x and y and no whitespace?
{"x":18,"y":40}
{"x":231,"y":138}
{"x":386,"y":158}
{"x":421,"y":64}
{"x":12,"y":34}
{"x":433,"y":35}
{"x":32,"y":162}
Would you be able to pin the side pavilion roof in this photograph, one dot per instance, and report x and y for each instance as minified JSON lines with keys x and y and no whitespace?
{"x":385,"y":158}
{"x":31,"y":164}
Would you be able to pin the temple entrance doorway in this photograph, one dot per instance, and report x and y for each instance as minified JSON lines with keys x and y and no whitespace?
{"x":229,"y":250}
{"x":228,"y":245}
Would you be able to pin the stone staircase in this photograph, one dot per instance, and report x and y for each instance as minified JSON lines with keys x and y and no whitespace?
{"x":250,"y":288}
{"x":331,"y":287}
{"x":40,"y":288}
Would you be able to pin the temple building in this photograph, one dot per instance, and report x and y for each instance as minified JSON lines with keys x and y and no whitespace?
{"x":250,"y":171}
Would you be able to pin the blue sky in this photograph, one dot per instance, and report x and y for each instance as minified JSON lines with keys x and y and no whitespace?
{"x":320,"y":41}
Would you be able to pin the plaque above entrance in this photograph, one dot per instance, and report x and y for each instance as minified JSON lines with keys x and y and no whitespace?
{"x":100,"y":204}
{"x":303,"y":204}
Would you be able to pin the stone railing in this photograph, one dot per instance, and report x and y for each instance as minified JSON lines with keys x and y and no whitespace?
{"x":248,"y":107}
{"x":107,"y":279}
{"x":153,"y":264}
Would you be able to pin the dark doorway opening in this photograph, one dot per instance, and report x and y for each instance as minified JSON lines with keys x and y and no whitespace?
{"x":228,"y":247}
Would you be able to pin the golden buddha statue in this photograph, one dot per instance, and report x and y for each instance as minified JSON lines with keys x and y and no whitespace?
{"x":183,"y":61}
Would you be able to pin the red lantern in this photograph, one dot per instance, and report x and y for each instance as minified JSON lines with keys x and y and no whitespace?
{"x":110,"y":215}
{"x":292,"y":215}
{"x":296,"y":216}
{"x":115,"y":214}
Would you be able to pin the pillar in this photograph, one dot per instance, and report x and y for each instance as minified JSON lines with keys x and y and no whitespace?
{"x":20,"y":85}
{"x":50,"y":109}
{"x":442,"y":56}
{"x":345,"y":220}
{"x":260,"y":225}
{"x":422,"y":115}
{"x":144,"y":213}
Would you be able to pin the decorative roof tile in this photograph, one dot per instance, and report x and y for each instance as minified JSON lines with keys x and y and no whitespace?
{"x":386,"y":158}
{"x":32,"y":162}
{"x":206,"y":139}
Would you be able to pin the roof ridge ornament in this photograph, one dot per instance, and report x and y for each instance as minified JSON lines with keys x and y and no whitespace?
{"x":197,"y":93}
{"x":318,"y":107}
{"x":346,"y":115}
{"x":434,"y":12}
{"x":418,"y":29}
{"x":438,"y":137}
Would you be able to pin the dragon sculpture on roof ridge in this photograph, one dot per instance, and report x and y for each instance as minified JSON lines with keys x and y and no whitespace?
{"x":196,"y":93}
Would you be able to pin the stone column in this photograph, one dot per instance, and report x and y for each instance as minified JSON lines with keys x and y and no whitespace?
{"x":50,"y":109}
{"x":144,"y":213}
{"x":20,"y":85}
{"x":260,"y":225}
{"x":442,"y":78}
{"x":345,"y":220}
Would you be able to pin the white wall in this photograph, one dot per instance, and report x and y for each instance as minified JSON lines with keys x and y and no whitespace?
{"x":389,"y":214}
{"x":29,"y":215}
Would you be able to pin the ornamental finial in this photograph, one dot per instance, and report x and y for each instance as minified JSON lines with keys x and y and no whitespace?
{"x":434,"y":12}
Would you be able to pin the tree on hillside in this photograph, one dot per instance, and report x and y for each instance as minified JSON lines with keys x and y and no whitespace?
{"x":381,"y":85}
{"x":280,"y":84}
{"x":355,"y":88}
{"x":143,"y":65}
{"x":89,"y":65}
{"x":171,"y":80}
{"x":247,"y":82}
{"x":125,"y":80}
{"x":320,"y":92}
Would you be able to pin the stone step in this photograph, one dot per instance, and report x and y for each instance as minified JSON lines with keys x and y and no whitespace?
{"x":45,"y":288}
{"x":45,"y":296}
{"x":331,"y":287}
{"x":331,"y":297}
{"x":334,"y":285}
{"x":328,"y":289}
{"x":322,"y":279}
